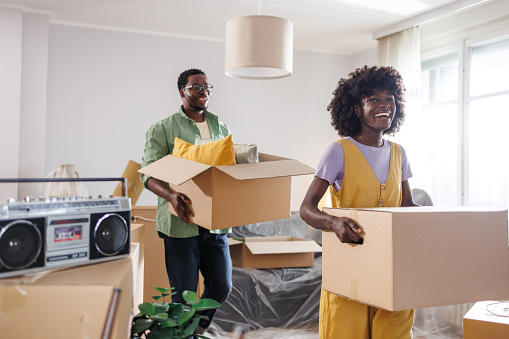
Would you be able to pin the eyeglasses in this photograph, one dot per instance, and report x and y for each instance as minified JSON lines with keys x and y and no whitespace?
{"x":198,"y":88}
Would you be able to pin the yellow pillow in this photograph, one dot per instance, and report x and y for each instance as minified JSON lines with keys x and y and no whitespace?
{"x":215,"y":153}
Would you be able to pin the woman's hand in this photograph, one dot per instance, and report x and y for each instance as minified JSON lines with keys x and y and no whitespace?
{"x":347,"y":230}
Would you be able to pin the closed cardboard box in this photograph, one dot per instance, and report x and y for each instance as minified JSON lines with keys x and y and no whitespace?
{"x":232,"y":195}
{"x":487,"y":320}
{"x":418,"y":257}
{"x":93,"y":301}
{"x":273,"y":252}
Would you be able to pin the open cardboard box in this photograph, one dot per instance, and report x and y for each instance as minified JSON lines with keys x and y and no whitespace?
{"x":92,"y":301}
{"x":232,"y":195}
{"x":416,"y":257}
{"x":273,"y":252}
{"x":486,"y":320}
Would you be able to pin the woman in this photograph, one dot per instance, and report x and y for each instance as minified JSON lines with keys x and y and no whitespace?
{"x":362,"y":170}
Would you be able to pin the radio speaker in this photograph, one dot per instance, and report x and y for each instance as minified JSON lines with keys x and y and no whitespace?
{"x":109,"y":234}
{"x":22,"y":244}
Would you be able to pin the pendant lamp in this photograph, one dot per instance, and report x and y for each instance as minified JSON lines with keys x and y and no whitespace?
{"x":259,"y":47}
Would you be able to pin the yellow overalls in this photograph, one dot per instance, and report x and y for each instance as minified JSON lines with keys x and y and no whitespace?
{"x":341,"y":317}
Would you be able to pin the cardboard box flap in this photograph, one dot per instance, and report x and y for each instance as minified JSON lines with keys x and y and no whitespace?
{"x":268,"y":169}
{"x":420,"y":209}
{"x":182,"y":169}
{"x":278,"y":247}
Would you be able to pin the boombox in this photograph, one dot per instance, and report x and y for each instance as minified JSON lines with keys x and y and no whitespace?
{"x":49,"y":233}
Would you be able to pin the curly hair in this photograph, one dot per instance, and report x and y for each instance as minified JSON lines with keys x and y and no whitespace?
{"x":182,"y":80}
{"x":359,"y":85}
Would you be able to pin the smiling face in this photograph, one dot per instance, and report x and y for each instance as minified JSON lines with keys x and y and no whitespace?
{"x":377,"y":111}
{"x":194,"y":101}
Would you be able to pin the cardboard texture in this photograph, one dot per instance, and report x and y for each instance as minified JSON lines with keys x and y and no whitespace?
{"x":416,"y":257}
{"x":154,"y":272}
{"x":82,"y":302}
{"x":487,"y":320}
{"x":138,"y":236}
{"x":273,"y":252}
{"x":232,"y":195}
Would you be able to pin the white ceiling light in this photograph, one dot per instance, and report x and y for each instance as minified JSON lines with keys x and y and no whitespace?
{"x":259,"y":47}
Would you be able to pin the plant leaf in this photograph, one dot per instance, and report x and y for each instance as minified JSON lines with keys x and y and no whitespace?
{"x":176,"y":310}
{"x":141,"y":325}
{"x":205,"y":304}
{"x":160,"y":317}
{"x":189,"y":329}
{"x":163,"y":290}
{"x":161,"y":333}
{"x":169,"y":323}
{"x":189,"y":296}
{"x":147,"y":308}
{"x":184,"y":317}
{"x":161,"y":308}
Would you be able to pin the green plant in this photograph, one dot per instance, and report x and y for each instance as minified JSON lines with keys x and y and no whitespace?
{"x":158,"y":320}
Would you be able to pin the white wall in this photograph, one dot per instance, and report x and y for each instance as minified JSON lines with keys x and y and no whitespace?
{"x":105,"y":88}
{"x":11,"y":27}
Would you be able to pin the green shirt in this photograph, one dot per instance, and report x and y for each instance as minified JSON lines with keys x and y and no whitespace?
{"x":159,"y":143}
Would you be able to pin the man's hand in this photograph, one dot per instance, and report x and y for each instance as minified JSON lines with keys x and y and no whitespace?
{"x":180,"y":202}
{"x":182,"y":206}
{"x":347,"y":230}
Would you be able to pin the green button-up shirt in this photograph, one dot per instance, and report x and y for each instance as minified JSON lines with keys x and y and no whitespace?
{"x":159,"y":143}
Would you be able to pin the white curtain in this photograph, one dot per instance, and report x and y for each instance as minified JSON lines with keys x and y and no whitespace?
{"x":402,"y":51}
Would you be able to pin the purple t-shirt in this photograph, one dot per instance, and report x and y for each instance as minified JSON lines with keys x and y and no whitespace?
{"x":331,"y":166}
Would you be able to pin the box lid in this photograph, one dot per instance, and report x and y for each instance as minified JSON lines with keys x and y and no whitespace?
{"x":278,"y":245}
{"x":183,"y":170}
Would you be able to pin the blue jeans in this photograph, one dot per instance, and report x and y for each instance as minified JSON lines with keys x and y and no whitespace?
{"x":208,"y":253}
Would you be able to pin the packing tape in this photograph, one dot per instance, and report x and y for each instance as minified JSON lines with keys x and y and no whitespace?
{"x":354,"y":288}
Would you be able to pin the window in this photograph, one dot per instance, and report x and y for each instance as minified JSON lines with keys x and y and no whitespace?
{"x":487,"y":108}
{"x":462,"y":159}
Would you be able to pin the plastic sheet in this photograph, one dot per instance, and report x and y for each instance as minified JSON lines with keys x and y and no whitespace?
{"x":273,"y":298}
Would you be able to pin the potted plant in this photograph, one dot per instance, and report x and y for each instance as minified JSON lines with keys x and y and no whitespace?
{"x":158,"y":320}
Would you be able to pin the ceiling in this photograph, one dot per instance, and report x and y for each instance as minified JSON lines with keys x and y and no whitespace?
{"x":333,"y":26}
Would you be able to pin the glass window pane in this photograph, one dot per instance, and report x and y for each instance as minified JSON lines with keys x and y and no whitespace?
{"x":488,"y":162}
{"x":489,"y":68}
{"x":434,"y":160}
{"x":440,"y":79}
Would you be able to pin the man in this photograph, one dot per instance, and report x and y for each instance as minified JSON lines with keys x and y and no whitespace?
{"x":188,"y":247}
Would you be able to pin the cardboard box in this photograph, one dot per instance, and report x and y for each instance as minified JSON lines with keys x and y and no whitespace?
{"x":487,"y":320}
{"x":143,"y":230}
{"x":138,"y":236}
{"x":416,"y":257}
{"x":83,"y":302}
{"x":273,"y":252}
{"x":232,"y":195}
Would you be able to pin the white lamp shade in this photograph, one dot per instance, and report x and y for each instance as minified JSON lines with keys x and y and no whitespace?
{"x":259,"y":47}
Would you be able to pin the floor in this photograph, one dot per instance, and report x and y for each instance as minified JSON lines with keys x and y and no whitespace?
{"x":269,"y":333}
